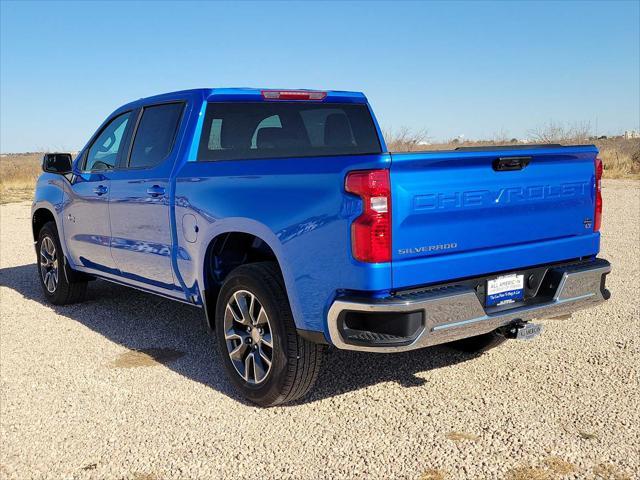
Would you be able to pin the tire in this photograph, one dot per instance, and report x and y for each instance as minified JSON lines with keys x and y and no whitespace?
{"x":56,"y":278}
{"x":253,"y":312}
{"x":479,"y":344}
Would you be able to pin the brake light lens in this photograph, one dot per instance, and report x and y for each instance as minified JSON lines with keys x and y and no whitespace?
{"x":293,"y":95}
{"x":371,"y":231}
{"x":597,"y":216}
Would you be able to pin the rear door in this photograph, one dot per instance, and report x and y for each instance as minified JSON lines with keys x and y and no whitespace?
{"x":464,"y":213}
{"x":86,"y":219}
{"x":139,"y":202}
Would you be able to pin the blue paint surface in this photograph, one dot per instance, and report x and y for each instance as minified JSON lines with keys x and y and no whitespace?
{"x":453,"y":215}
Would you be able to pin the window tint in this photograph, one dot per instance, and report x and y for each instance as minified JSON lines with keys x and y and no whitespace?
{"x":315,"y":121}
{"x":236,"y":130}
{"x":270,"y":122}
{"x":155,"y":134}
{"x":103,"y":153}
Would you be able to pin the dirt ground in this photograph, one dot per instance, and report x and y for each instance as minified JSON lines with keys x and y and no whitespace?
{"x":128,"y":385}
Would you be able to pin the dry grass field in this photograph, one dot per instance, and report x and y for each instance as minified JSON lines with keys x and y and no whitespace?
{"x":18,"y":172}
{"x":621,"y":158}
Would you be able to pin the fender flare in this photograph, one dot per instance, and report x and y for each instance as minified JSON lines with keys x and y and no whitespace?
{"x":46,"y":205}
{"x":259,"y":230}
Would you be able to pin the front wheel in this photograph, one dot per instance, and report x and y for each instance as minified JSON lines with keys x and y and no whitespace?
{"x":263,"y":355}
{"x":57,"y":283}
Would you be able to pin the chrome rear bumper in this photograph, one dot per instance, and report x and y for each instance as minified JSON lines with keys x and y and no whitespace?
{"x":455,"y":312}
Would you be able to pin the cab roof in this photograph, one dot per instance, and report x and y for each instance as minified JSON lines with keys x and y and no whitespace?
{"x":250,"y":95}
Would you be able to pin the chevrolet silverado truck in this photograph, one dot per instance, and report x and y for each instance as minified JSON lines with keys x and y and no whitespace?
{"x":282,"y":215}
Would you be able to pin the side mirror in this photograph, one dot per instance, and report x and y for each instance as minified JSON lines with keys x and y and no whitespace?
{"x":57,"y":163}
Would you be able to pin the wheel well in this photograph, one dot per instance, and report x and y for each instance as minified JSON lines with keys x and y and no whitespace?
{"x":226,"y":252}
{"x":40,"y":217}
{"x":230,"y":250}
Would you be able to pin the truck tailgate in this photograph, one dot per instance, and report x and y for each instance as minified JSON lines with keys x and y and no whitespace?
{"x":462,"y":213}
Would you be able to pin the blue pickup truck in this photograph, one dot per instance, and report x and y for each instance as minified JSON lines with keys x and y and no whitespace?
{"x":281,"y":214}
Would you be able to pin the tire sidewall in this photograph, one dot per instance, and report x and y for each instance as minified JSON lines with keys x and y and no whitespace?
{"x":269,"y":389}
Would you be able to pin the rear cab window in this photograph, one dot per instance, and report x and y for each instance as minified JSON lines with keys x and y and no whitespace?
{"x":253,"y":130}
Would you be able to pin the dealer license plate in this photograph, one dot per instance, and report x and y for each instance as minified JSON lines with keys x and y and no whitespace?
{"x":504,"y":290}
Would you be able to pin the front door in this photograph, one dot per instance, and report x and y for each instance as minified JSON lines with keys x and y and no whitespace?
{"x":86,"y":217}
{"x":139,"y":200}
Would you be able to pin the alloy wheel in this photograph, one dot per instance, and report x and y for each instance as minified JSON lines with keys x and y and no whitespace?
{"x":49,"y":264}
{"x":248,"y":336}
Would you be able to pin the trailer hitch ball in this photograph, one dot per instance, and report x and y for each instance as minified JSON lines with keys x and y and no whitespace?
{"x":511,"y":330}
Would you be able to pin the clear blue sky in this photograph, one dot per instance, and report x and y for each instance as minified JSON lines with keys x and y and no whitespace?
{"x":471,"y":68}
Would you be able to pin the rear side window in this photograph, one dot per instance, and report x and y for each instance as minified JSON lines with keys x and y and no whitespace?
{"x":155,"y":134}
{"x":237,"y":131}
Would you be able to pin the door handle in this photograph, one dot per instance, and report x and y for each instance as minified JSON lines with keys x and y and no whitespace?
{"x":100,"y":190}
{"x":155,"y":191}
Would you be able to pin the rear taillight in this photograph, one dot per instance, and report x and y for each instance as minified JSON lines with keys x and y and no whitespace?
{"x":597,"y":216}
{"x":293,"y":95}
{"x":371,"y":231}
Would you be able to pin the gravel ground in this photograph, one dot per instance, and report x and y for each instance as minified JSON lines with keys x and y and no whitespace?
{"x":127,"y":385}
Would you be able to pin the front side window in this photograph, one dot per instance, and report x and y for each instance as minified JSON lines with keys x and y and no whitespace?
{"x":155,"y":134}
{"x":103,"y":153}
{"x":248,"y":130}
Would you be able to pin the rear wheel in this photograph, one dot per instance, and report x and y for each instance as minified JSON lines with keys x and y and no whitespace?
{"x":56,"y":279}
{"x":264,"y":357}
{"x":480,"y":343}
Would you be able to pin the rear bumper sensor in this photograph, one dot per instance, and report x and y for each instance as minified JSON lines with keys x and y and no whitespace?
{"x":443,"y":314}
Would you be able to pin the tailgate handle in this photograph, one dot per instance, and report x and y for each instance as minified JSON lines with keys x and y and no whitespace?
{"x":510,"y":163}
